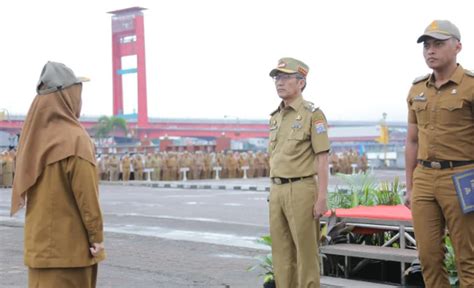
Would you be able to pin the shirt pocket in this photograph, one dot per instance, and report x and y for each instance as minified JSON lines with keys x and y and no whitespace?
{"x":451,"y":112}
{"x":293,"y":143}
{"x":273,"y":139}
{"x":421,"y":111}
{"x":273,"y":134}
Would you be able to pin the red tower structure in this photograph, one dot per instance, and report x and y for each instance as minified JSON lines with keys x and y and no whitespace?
{"x":128,"y":38}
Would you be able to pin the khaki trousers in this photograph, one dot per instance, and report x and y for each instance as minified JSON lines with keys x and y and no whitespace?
{"x":435,"y":205}
{"x":294,"y":234}
{"x":155,"y":176}
{"x":7,"y":179}
{"x":82,"y":277}
{"x":139,"y":174}
{"x":125,"y":175}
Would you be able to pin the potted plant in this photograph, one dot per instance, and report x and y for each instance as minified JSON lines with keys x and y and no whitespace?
{"x":265,"y":263}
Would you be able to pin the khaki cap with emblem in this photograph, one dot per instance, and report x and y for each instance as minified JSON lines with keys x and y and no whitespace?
{"x":441,"y":30}
{"x":290,"y":65}
{"x":56,"y":76}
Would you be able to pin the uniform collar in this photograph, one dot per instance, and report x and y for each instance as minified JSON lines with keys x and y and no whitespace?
{"x":455,"y":78}
{"x":295,"y":105}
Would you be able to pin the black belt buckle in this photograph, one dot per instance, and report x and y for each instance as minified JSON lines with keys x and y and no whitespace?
{"x":435,"y":165}
{"x":280,"y":181}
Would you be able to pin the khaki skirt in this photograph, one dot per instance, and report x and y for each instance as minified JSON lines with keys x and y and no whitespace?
{"x":82,"y":277}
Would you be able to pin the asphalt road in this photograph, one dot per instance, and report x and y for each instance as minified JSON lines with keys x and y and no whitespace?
{"x":164,"y":237}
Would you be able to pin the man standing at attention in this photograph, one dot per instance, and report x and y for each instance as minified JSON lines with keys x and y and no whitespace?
{"x":57,"y":180}
{"x":298,"y":148}
{"x":440,"y":143}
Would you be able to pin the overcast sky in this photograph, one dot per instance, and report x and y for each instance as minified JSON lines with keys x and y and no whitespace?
{"x":210,"y":58}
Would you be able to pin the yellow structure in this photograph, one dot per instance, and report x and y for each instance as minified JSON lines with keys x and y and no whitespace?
{"x":383,"y":138}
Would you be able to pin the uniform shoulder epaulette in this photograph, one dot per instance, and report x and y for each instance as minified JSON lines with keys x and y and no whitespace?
{"x":469,"y":73}
{"x":274,"y":112}
{"x":421,"y":78}
{"x":310,"y":106}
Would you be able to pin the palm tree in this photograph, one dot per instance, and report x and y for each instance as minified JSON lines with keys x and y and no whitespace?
{"x":107,"y":125}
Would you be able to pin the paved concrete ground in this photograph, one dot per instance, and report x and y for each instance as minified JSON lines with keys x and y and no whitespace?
{"x":169,"y":237}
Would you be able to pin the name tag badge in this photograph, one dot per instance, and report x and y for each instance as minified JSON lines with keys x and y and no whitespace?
{"x":296,"y":125}
{"x":420,"y":98}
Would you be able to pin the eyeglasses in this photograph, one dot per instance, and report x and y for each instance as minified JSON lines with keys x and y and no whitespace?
{"x":285,"y":77}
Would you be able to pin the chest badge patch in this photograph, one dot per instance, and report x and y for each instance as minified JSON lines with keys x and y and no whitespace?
{"x":296,"y":125}
{"x":421,"y":97}
{"x":298,"y":118}
{"x":319,"y":126}
{"x":454,"y":91}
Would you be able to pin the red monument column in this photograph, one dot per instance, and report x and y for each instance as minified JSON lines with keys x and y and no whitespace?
{"x":128,"y":38}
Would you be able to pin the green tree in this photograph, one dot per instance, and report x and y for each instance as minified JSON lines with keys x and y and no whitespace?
{"x":107,"y":126}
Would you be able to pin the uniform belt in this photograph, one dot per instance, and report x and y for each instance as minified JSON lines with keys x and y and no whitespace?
{"x":279,"y":180}
{"x":444,"y":164}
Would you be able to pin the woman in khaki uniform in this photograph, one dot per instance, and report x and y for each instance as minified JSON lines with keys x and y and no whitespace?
{"x":56,"y":178}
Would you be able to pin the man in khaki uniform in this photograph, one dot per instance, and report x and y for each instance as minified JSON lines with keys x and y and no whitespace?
{"x":173,"y":166}
{"x":243,"y":162}
{"x":259,"y":164}
{"x":298,"y":140}
{"x":56,"y":178}
{"x":165,"y":166}
{"x":251,"y":163}
{"x":148,"y":171}
{"x":231,"y":165}
{"x":198,"y":166}
{"x":207,"y":168}
{"x":2,"y":164}
{"x":126,"y":168}
{"x":440,"y":143}
{"x":113,"y":165}
{"x":138,"y":165}
{"x":103,"y":167}
{"x":220,"y":162}
{"x":266,"y":164}
{"x":8,"y":171}
{"x":156,"y":167}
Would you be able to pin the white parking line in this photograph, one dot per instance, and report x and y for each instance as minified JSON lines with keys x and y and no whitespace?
{"x":186,"y":235}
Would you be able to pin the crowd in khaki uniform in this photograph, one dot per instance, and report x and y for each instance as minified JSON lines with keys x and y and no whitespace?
{"x":7,"y":168}
{"x":343,"y":162}
{"x":168,"y":166}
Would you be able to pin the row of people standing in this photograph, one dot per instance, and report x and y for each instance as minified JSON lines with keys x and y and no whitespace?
{"x":344,"y":162}
{"x":7,"y":168}
{"x":169,"y":166}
